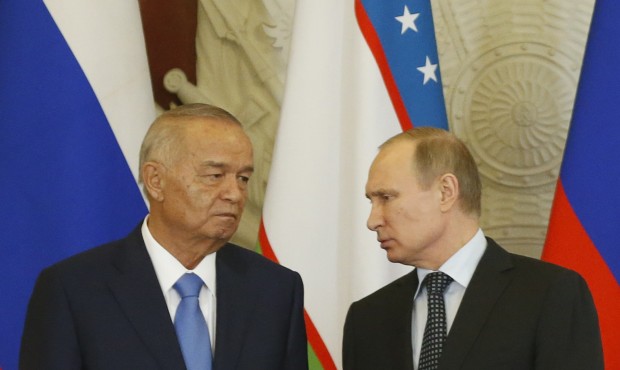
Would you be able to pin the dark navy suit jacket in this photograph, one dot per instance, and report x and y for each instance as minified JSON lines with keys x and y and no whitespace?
{"x":104,"y":309}
{"x":517,"y":313}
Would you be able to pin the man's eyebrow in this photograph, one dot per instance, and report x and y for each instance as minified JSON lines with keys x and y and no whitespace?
{"x":216,"y":164}
{"x":380,"y":192}
{"x":247,"y":169}
{"x":212,"y":164}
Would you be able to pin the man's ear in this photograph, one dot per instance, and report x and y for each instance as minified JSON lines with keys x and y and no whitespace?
{"x":449,"y":187}
{"x":153,"y":179}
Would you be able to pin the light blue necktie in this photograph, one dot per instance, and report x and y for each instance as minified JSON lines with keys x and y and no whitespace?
{"x":190,"y":324}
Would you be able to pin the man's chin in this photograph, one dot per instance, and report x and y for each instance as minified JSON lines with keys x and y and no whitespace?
{"x":392,"y":256}
{"x":224,"y":233}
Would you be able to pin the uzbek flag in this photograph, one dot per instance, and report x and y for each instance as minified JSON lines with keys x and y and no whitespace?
{"x":585,"y":218}
{"x":359,"y":72}
{"x":75,"y":102}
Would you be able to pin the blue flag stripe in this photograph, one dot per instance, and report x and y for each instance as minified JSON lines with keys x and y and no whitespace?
{"x":407,"y":50}
{"x":66,"y":185}
{"x":591,"y":168}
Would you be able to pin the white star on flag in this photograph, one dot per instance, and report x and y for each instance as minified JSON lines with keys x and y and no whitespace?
{"x":407,"y":20}
{"x":429,"y":71}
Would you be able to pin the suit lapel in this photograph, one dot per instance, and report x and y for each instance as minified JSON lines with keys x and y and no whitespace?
{"x":137,"y":291}
{"x":400,"y":312}
{"x":486,"y":286}
{"x":236,"y":298}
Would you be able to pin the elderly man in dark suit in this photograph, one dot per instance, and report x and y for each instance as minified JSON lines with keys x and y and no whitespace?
{"x":468,"y":304}
{"x":174,"y":294}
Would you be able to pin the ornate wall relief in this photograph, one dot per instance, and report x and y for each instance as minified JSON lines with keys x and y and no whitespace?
{"x":510,"y":72}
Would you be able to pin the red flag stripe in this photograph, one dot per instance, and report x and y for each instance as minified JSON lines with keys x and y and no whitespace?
{"x":569,"y":245}
{"x":377,"y":50}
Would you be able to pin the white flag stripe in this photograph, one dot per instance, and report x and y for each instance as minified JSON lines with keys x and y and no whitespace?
{"x":336,"y":112}
{"x":114,"y":62}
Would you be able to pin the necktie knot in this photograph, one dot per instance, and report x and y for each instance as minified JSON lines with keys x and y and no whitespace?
{"x":188,"y":285}
{"x":437,"y":282}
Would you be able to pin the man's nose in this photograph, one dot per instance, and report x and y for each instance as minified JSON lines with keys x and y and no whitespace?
{"x":233,"y":189}
{"x":375,"y":218}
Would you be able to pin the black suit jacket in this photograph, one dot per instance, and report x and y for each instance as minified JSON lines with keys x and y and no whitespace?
{"x":104,"y":309}
{"x":517,"y":313}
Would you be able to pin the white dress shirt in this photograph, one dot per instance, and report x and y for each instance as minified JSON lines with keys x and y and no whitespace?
{"x":168,"y":270}
{"x":460,"y":267}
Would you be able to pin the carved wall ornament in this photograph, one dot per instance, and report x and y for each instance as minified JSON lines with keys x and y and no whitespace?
{"x":512,"y":105}
{"x":510,"y":71}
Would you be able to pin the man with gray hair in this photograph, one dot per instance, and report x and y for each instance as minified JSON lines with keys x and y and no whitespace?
{"x":174,"y":294}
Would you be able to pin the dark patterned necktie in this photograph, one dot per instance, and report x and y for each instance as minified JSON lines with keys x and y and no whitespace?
{"x":435,"y":331}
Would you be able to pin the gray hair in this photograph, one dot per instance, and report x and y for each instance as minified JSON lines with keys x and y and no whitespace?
{"x":163,"y":139}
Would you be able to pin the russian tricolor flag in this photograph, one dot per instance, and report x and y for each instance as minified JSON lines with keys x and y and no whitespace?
{"x":75,"y":102}
{"x":585,"y":219}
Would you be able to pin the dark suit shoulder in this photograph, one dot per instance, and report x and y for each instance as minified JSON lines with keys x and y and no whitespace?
{"x":89,"y":258}
{"x":534,"y":268}
{"x":401,"y":289}
{"x":543,"y":266}
{"x":543,"y":312}
{"x":249,"y":259}
{"x":96,"y":258}
{"x":377,"y":330}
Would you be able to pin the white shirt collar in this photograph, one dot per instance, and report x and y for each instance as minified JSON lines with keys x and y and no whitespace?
{"x":168,"y":269}
{"x":461,"y":266}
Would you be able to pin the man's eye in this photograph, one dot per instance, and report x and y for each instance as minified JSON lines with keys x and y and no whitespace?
{"x":244,"y":179}
{"x":212,"y":176}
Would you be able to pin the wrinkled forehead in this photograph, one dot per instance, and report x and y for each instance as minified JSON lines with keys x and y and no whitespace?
{"x":214,"y":130}
{"x":200,"y":139}
{"x":214,"y":124}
